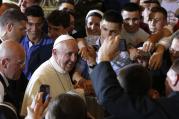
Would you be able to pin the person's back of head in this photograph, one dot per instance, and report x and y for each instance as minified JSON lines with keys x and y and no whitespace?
{"x":113,"y":16}
{"x":135,"y":79}
{"x":67,"y":106}
{"x":35,"y":11}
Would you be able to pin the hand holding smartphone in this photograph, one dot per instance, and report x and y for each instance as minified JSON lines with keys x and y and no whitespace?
{"x":46,"y":91}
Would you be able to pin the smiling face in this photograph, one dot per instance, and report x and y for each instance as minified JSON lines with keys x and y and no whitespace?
{"x":66,"y":54}
{"x":34,"y":27}
{"x":93,"y":25}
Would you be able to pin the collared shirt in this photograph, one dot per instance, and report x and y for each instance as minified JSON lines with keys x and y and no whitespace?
{"x":36,"y":54}
{"x":56,"y":66}
{"x":2,"y":90}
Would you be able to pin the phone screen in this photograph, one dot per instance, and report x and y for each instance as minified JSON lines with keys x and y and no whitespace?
{"x":46,"y":90}
{"x":122,"y":45}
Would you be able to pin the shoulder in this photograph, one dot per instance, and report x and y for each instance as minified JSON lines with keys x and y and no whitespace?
{"x":43,"y":71}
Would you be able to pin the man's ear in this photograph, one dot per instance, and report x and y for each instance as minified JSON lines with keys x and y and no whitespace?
{"x":9,"y":27}
{"x":4,"y":63}
{"x":54,"y":53}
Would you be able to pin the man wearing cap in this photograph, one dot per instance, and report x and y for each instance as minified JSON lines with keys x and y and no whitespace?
{"x":54,"y":72}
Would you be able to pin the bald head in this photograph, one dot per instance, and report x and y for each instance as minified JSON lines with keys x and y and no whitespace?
{"x":12,"y":59}
{"x":11,"y":48}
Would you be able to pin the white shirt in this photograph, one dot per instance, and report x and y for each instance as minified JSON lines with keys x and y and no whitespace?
{"x":133,"y":39}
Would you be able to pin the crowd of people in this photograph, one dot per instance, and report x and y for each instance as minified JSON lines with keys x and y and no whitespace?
{"x":123,"y":63}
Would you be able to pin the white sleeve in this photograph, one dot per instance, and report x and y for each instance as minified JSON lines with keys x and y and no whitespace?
{"x":166,"y":41}
{"x":1,"y":92}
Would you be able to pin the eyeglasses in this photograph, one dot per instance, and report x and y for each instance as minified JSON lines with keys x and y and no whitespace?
{"x":20,"y":63}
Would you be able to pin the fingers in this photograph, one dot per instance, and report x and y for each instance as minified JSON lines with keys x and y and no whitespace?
{"x":47,"y":100}
{"x":148,"y":46}
{"x":145,"y":47}
{"x":86,"y":85}
{"x":155,"y":61}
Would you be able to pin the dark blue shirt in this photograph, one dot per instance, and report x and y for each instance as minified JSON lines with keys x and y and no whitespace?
{"x":36,"y":54}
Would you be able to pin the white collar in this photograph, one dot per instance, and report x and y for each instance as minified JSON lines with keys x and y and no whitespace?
{"x":56,"y":66}
{"x":5,"y":79}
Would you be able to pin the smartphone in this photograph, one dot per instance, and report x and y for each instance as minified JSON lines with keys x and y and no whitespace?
{"x":46,"y":91}
{"x":122,"y":45}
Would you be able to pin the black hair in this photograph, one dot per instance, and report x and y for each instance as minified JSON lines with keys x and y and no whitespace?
{"x":112,"y":16}
{"x":135,"y":79}
{"x":131,"y":7}
{"x":160,"y":10}
{"x":59,"y":18}
{"x":34,"y":10}
{"x":67,"y":106}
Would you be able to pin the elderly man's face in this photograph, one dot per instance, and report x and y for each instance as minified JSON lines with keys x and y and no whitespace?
{"x":174,"y":49}
{"x":66,"y":55}
{"x":14,"y":65}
